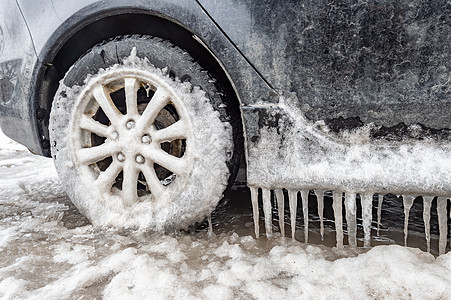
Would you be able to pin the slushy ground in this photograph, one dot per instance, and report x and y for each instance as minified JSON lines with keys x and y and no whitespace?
{"x":49,"y":251}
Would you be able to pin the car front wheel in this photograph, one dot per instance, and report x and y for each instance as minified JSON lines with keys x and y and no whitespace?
{"x":135,"y":146}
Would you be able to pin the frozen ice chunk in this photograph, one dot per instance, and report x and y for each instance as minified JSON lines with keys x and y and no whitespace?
{"x":281,"y":211}
{"x":304,"y":196}
{"x":255,"y":212}
{"x":442,"y":223}
{"x":338,"y":216}
{"x":293,"y":200}
{"x":320,"y":200}
{"x":266,"y":196}
{"x":380,"y":200}
{"x":351,"y":223}
{"x":407,"y":202}
{"x":367,"y":216}
{"x":427,"y":200}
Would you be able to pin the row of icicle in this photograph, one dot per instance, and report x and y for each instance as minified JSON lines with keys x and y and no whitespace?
{"x":350,"y":208}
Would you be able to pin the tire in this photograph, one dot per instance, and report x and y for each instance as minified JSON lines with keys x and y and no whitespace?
{"x":134,"y":145}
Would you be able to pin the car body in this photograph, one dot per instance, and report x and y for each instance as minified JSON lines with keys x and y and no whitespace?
{"x":332,"y":95}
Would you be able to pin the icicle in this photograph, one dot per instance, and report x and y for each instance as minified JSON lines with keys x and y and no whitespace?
{"x":351,"y":209}
{"x":210,"y":227}
{"x":407,"y":201}
{"x":254,"y":199}
{"x":380,"y":199}
{"x":281,"y":211}
{"x":367,"y":216}
{"x":267,"y":211}
{"x":293,"y":199}
{"x":320,"y":200}
{"x":304,"y":196}
{"x":442,"y":224}
{"x":427,"y":200}
{"x":338,"y":216}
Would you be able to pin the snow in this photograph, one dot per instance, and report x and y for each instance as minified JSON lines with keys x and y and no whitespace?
{"x":48,"y":252}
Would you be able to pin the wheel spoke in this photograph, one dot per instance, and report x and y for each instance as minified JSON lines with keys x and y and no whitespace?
{"x":131,"y":96}
{"x":103,"y":98}
{"x":130,"y":183}
{"x":172,"y":163}
{"x":93,"y":126}
{"x":170,"y":133}
{"x":156,"y":104}
{"x":106,"y":178}
{"x":87,"y":156}
{"x":154,"y":184}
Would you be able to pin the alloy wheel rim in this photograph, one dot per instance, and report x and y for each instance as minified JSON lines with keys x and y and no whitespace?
{"x":131,"y":136}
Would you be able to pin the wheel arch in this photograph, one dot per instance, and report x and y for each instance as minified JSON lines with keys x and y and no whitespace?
{"x":75,"y":37}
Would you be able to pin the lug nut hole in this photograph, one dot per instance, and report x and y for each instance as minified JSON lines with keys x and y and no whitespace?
{"x":130,"y":124}
{"x":120,"y":156}
{"x":140,"y":159}
{"x":146,"y":139}
{"x":114,"y":136}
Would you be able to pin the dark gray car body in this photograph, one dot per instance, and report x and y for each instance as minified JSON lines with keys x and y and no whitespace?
{"x":340,"y":64}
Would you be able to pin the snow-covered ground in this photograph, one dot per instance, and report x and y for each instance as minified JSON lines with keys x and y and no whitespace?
{"x":49,"y":251}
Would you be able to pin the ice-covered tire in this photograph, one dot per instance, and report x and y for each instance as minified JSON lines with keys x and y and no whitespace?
{"x":134,"y":146}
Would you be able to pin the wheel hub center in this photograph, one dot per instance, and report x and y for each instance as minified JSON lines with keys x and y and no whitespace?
{"x":130,"y":140}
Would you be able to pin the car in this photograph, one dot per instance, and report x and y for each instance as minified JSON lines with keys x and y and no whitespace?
{"x":150,"y":108}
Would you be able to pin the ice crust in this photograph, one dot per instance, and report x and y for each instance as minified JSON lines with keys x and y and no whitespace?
{"x":183,"y":204}
{"x":351,"y":164}
{"x":313,"y":159}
